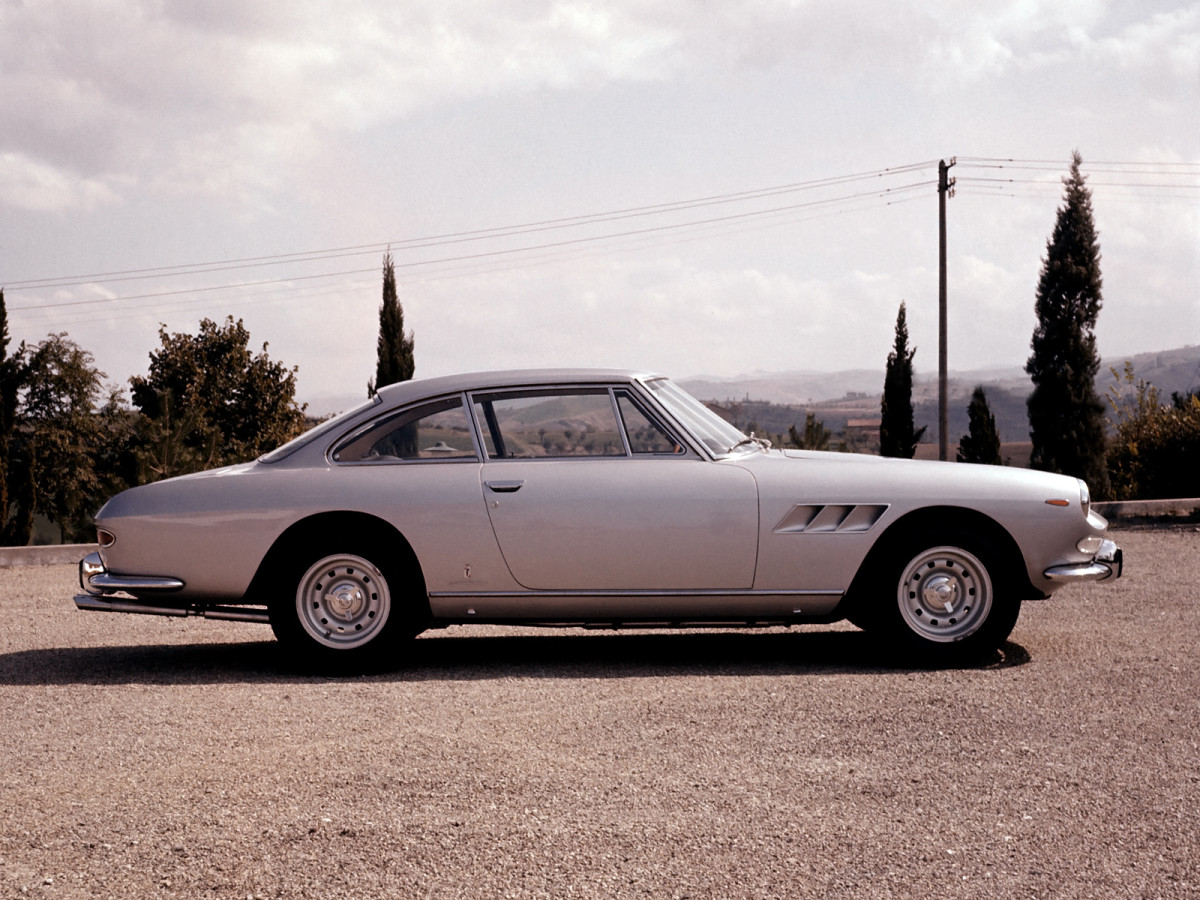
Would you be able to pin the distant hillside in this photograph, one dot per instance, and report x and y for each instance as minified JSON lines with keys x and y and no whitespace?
{"x":855,"y":393}
{"x":775,"y":400}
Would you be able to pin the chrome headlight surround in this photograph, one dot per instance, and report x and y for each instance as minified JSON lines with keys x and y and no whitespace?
{"x":1085,"y":498}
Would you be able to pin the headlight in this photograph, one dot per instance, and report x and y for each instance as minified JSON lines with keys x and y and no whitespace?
{"x":1085,"y":498}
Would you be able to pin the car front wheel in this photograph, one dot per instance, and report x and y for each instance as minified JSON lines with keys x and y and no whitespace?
{"x":948,"y":602}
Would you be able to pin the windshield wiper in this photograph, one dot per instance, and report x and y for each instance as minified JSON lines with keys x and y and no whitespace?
{"x":752,"y":439}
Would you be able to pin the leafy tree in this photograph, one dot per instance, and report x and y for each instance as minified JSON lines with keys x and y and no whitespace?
{"x":981,"y":443}
{"x":57,"y":437}
{"x":1066,"y":417}
{"x":208,"y":401}
{"x":816,"y":435}
{"x":1154,"y":451}
{"x":896,"y":434}
{"x":395,"y":349}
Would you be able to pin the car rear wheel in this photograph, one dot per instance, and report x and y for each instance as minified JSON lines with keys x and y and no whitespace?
{"x":341,"y":608}
{"x":945,"y":600}
{"x":343,"y":602}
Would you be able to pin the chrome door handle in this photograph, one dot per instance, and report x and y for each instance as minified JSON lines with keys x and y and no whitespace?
{"x":504,"y":487}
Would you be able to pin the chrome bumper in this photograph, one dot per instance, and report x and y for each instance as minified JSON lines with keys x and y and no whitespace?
{"x":1107,"y":564}
{"x":104,"y":589}
{"x":96,"y":580}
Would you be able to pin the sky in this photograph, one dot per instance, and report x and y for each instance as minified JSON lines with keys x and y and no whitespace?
{"x":686,"y":186}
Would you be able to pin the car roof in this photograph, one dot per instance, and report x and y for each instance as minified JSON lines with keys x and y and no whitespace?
{"x":505,"y":378}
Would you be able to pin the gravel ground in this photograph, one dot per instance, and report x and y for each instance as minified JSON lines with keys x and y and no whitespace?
{"x":149,"y":757}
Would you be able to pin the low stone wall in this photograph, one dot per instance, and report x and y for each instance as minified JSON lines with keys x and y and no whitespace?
{"x":1149,"y":509}
{"x":44,"y":555}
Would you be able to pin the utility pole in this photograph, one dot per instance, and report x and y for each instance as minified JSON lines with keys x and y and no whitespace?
{"x":945,"y":186}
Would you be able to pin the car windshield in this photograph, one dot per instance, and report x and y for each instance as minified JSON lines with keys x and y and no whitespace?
{"x":706,"y":426}
{"x":286,"y":450}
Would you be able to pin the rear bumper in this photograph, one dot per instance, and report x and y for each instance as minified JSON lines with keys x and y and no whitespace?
{"x":1107,"y":564}
{"x":106,"y":592}
{"x":98,"y":581}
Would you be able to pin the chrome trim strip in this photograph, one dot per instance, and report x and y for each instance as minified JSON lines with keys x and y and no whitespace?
{"x":515,"y":595}
{"x":629,"y":605}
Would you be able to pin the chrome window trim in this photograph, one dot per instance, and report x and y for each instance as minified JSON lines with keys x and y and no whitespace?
{"x":320,"y":430}
{"x":697,"y":447}
{"x":655,"y":418}
{"x":367,"y":425}
{"x":637,"y":395}
{"x":620,"y":420}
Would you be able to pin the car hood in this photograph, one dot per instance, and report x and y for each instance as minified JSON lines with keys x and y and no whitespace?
{"x":928,"y":479}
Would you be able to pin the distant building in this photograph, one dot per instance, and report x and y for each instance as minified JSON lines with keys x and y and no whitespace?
{"x":866,"y":430}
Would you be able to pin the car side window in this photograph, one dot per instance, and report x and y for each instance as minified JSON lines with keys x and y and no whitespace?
{"x":433,"y":431}
{"x":553,"y":423}
{"x":645,"y":435}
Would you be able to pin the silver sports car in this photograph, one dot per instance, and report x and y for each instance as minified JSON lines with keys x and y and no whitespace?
{"x":587,"y":497}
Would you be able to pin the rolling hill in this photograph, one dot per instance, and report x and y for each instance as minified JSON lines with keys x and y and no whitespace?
{"x":775,"y":400}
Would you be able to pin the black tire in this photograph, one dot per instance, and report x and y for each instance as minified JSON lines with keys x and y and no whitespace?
{"x":944,"y":599}
{"x":343,"y":609}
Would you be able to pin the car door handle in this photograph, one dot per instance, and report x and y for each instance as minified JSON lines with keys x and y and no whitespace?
{"x":504,"y":487}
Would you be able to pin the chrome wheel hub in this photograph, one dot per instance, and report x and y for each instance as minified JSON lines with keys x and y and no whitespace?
{"x":941,"y":592}
{"x":344,"y":602}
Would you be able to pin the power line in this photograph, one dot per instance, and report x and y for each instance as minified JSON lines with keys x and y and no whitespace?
{"x":113,"y":308}
{"x":885,"y":193}
{"x":508,"y":256}
{"x":1057,"y":164}
{"x":459,"y":237}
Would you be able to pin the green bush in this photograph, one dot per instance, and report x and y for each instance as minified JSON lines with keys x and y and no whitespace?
{"x":1156,"y":451}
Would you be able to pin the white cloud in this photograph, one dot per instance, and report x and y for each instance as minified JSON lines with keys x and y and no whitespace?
{"x":36,"y":186}
{"x":227,"y":87}
{"x":223,"y":129}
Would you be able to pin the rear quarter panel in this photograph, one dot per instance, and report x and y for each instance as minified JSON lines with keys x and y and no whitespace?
{"x":212,"y":530}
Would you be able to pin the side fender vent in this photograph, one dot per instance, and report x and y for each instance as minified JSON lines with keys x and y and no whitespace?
{"x":830,"y":518}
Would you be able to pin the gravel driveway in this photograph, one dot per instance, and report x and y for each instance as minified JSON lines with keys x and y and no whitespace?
{"x":149,"y":757}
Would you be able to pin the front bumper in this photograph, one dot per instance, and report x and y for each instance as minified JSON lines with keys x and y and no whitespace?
{"x":1107,"y":564}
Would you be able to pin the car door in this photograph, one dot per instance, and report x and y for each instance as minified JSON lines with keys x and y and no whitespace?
{"x":582,"y":500}
{"x":418,"y":468}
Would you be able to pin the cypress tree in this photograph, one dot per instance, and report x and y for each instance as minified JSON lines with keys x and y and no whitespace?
{"x":395,"y":349}
{"x":981,"y":443}
{"x":9,"y":383}
{"x":1066,"y":417}
{"x":896,"y":434}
